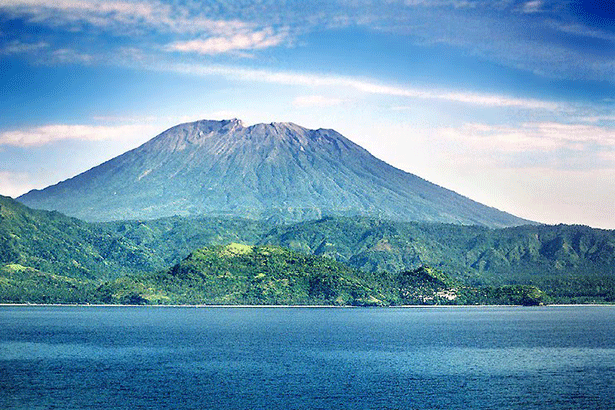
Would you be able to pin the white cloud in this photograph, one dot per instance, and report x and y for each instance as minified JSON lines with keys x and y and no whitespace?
{"x":581,"y":30}
{"x":517,"y":39}
{"x":18,"y":47}
{"x":483,"y":137}
{"x":598,"y":118}
{"x":608,"y":156}
{"x":48,"y":134}
{"x":316,"y":101}
{"x":362,"y":85}
{"x":124,"y":17}
{"x":134,"y":18}
{"x":98,"y":13}
{"x":575,"y":133}
{"x":241,"y":41}
{"x":534,"y":6}
{"x":138,"y":119}
{"x":458,"y":4}
{"x":540,"y":136}
{"x":67,"y":55}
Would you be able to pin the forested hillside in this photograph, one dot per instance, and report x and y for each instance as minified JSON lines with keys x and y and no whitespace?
{"x":569,"y":263}
{"x":57,"y":244}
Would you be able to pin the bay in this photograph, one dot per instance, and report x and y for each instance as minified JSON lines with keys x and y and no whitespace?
{"x":556,"y":357}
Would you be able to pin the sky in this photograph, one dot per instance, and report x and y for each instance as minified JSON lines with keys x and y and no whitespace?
{"x":510,"y":103}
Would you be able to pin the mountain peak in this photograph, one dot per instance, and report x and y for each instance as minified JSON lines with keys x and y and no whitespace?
{"x":278,"y":170}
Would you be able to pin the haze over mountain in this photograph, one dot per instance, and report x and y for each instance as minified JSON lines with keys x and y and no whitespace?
{"x":280,"y":171}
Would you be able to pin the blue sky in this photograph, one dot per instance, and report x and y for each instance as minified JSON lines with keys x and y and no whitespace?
{"x":511,"y":103}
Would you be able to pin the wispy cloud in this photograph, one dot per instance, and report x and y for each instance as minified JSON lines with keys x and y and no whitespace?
{"x":362,"y":85}
{"x":18,"y":47}
{"x":440,"y":3}
{"x":565,"y":143}
{"x":494,"y":30}
{"x":48,"y":134}
{"x":598,"y":118}
{"x":253,"y":40}
{"x":118,"y":14}
{"x":511,"y":33}
{"x":534,"y":6}
{"x":67,"y":55}
{"x":136,"y":18}
{"x":581,"y":30}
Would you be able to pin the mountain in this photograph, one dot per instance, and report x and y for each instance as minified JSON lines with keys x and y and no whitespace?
{"x":270,"y":275}
{"x":279,"y":171}
{"x":557,"y":258}
{"x":52,"y":243}
{"x":242,"y":274}
{"x":46,"y":257}
{"x":574,"y":263}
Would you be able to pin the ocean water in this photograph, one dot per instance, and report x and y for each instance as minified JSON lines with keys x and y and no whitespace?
{"x":307,"y":358}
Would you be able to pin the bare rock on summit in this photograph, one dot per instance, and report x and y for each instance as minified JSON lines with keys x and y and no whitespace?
{"x":280,"y":171}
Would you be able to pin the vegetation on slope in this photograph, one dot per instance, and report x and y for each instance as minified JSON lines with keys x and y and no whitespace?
{"x":172,"y":239}
{"x":53,"y":243}
{"x":255,"y":275}
{"x":242,"y":274}
{"x":570,"y":263}
{"x":20,"y":284}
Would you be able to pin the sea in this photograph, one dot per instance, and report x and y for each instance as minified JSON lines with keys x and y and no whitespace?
{"x":106,"y":357}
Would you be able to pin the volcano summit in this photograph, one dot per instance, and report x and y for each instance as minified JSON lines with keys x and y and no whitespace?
{"x":277,"y":171}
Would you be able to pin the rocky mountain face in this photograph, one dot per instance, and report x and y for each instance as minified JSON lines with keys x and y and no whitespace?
{"x":277,"y":171}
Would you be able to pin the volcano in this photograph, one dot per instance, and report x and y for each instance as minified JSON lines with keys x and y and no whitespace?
{"x":279,"y":171}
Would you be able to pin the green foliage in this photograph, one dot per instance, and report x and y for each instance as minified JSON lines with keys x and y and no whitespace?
{"x":241,"y":274}
{"x":270,"y":275}
{"x":566,"y":261}
{"x":524,"y":295}
{"x":53,"y":243}
{"x":172,"y":239}
{"x":20,"y":284}
{"x":571,"y":264}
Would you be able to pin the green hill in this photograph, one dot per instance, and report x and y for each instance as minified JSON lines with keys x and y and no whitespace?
{"x":173,"y":238}
{"x":269,"y":275}
{"x":238,"y":274}
{"x":20,"y":284}
{"x":570,"y":263}
{"x":53,"y":243}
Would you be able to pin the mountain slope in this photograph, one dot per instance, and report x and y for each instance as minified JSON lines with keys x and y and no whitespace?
{"x":56,"y":244}
{"x":277,"y":171}
{"x":566,"y":260}
{"x":242,"y":274}
{"x":48,"y":257}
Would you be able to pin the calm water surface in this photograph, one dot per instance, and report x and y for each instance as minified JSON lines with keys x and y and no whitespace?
{"x":302,"y":358}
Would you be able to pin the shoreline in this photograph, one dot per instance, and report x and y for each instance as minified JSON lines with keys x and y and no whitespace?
{"x":294,"y":306}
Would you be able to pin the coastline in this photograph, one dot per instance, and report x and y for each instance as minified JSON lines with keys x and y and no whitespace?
{"x":295,"y":306}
